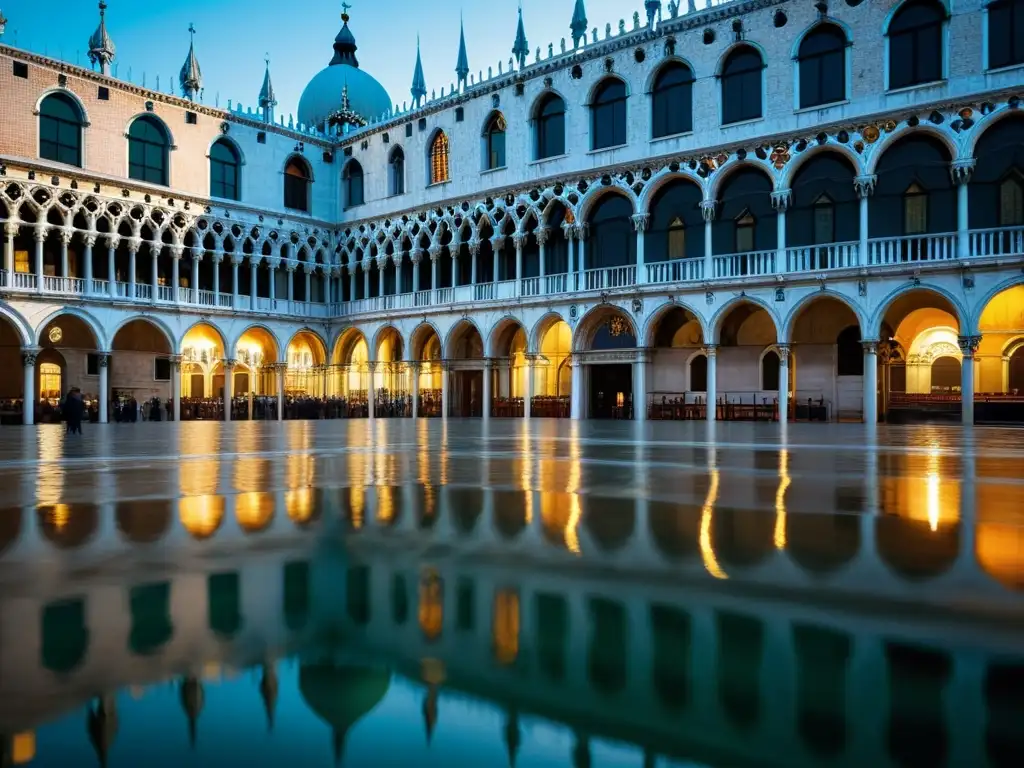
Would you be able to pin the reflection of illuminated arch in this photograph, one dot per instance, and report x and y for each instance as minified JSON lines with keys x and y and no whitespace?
{"x":257,"y":335}
{"x":254,"y":511}
{"x":822,"y":543}
{"x":205,"y":333}
{"x":68,"y":526}
{"x":431,"y":605}
{"x":674,"y":528}
{"x":999,"y":548}
{"x":916,"y":550}
{"x":300,"y":506}
{"x":609,"y":521}
{"x":346,"y":344}
{"x":143,"y":522}
{"x":742,"y":537}
{"x":201,"y":516}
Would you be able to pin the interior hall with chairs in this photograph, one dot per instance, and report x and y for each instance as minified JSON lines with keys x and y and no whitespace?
{"x":760,"y":210}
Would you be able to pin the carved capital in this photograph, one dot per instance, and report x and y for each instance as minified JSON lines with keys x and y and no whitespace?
{"x":134,"y":244}
{"x":113,"y":241}
{"x":255,"y":259}
{"x":66,"y":236}
{"x":237,"y":259}
{"x":708,"y":209}
{"x":290,"y":266}
{"x":962,"y":170}
{"x":542,"y":234}
{"x":783,"y":351}
{"x":519,"y":240}
{"x":435,"y":252}
{"x":640,"y":221}
{"x":497,"y":242}
{"x":416,"y":255}
{"x":198,"y":253}
{"x":274,"y":262}
{"x":870,"y":347}
{"x":29,"y":357}
{"x":865,"y":185}
{"x":309,"y":267}
{"x":474,"y":246}
{"x":11,"y":228}
{"x":39,"y":234}
{"x":176,"y":252}
{"x":229,"y":364}
{"x":711,"y":350}
{"x":103,"y":360}
{"x":382,"y":262}
{"x":968,"y":345}
{"x":569,"y":230}
{"x":90,"y":240}
{"x":781,"y":200}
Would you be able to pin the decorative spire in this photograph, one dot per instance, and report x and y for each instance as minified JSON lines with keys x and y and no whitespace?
{"x":190,"y":77}
{"x":101,"y":47}
{"x":345,"y":43}
{"x":578,"y":24}
{"x":268,"y":100}
{"x":653,"y":8}
{"x":419,"y":83}
{"x":521,"y":49}
{"x":462,"y":65}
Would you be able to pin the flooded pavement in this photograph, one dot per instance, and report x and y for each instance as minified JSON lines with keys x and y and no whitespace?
{"x":512,"y":593}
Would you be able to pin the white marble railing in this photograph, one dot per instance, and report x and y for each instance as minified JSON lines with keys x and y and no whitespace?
{"x":816,"y":258}
{"x":1005,"y":241}
{"x":678,"y":271}
{"x":899,"y":250}
{"x":753,"y":264}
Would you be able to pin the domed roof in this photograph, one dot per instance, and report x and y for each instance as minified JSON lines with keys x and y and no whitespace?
{"x":323,"y":96}
{"x":342,"y":695}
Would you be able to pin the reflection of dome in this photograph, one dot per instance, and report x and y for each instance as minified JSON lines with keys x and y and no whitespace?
{"x":323,"y":96}
{"x":342,"y":695}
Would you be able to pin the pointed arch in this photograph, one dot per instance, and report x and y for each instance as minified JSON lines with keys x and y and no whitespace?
{"x":21,"y":326}
{"x":786,"y":332}
{"x":438,"y":158}
{"x":90,"y":322}
{"x":541,"y":327}
{"x":718,"y":318}
{"x":963,"y":317}
{"x":650,"y":328}
{"x":156,"y":322}
{"x":259,"y":329}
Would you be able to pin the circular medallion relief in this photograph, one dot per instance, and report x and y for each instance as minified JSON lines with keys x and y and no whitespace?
{"x":56,"y":334}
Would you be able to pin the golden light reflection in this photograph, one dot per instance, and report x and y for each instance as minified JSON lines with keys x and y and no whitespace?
{"x":431,"y":608}
{"x":298,"y":504}
{"x":506,"y":626}
{"x":572,"y":539}
{"x":51,"y":475}
{"x":572,"y":536}
{"x":23,"y":748}
{"x":254,"y":511}
{"x":707,"y":550}
{"x":933,"y":481}
{"x":57,"y":516}
{"x":201,"y":515}
{"x":526,"y":464}
{"x":198,"y":477}
{"x":385,"y":507}
{"x":780,"y":500}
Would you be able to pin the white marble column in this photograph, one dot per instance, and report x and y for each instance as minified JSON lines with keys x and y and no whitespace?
{"x":528,"y":393}
{"x":273,"y":264}
{"x":570,"y":235}
{"x":133,"y":251}
{"x":154,"y":277}
{"x":366,"y":278}
{"x":488,"y":376}
{"x":176,"y":388}
{"x":197,"y":257}
{"x":414,"y":371}
{"x":308,"y":270}
{"x":104,"y":394}
{"x":217,"y":258}
{"x":576,"y":396}
{"x":870,"y":382}
{"x":582,"y":232}
{"x":28,"y":359}
{"x":88,"y":243}
{"x":289,"y":267}
{"x":229,"y":387}
{"x":236,"y":261}
{"x":780,"y":202}
{"x":784,"y":353}
{"x":518,"y":240}
{"x":415,"y":258}
{"x":497,"y":244}
{"x":112,"y":243}
{"x":707,"y":209}
{"x":10,"y":231}
{"x":279,"y":371}
{"x":640,"y":225}
{"x":712,"y":394}
{"x":865,"y":186}
{"x":542,"y":234}
{"x":961,"y":171}
{"x":380,"y":275}
{"x":640,"y":387}
{"x":969,"y":347}
{"x":445,"y":375}
{"x":39,"y":234}
{"x":352,"y":281}
{"x":65,"y":241}
{"x":254,"y":263}
{"x":474,"y":252}
{"x":435,"y":254}
{"x":176,"y":254}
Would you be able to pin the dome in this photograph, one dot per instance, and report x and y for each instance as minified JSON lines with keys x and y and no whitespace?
{"x":322,"y":96}
{"x":364,"y":98}
{"x":342,"y":695}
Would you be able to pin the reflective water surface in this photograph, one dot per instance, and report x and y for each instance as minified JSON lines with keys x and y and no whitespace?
{"x":529,"y":594}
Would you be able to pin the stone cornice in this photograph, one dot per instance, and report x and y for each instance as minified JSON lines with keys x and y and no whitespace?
{"x":164,"y":98}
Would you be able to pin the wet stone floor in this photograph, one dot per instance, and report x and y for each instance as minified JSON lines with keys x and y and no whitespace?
{"x":509,"y":593}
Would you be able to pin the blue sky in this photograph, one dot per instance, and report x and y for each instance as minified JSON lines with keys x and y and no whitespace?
{"x":233,"y":36}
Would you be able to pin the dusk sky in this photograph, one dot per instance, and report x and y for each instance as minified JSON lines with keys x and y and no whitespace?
{"x":234,"y":36}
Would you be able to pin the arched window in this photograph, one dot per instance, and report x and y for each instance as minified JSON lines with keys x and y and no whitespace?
{"x":741,"y":85}
{"x":296,"y":185}
{"x":915,"y":210}
{"x":1016,"y":371}
{"x":849,"y":353}
{"x":676,"y":239}
{"x":50,"y":387}
{"x":224,"y":163}
{"x":494,"y":140}
{"x":824,"y":220}
{"x":148,"y":145}
{"x":915,"y":43}
{"x":396,"y":172}
{"x":353,"y":178}
{"x":60,"y":130}
{"x":612,"y":241}
{"x":699,"y":374}
{"x":439,"y":170}
{"x":822,"y":63}
{"x":608,"y":115}
{"x":1005,"y":33}
{"x":551,"y":127}
{"x":746,"y":232}
{"x":770,"y":371}
{"x":1011,"y":201}
{"x":672,"y":100}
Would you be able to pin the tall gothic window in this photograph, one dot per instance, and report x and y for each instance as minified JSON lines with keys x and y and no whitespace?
{"x":494,"y":138}
{"x":296,"y":185}
{"x":741,"y":85}
{"x":60,"y":130}
{"x":608,"y":115}
{"x":396,"y":172}
{"x":224,"y":165}
{"x":915,"y":210}
{"x":1011,"y":201}
{"x":915,"y":43}
{"x":551,"y":127}
{"x":439,"y":170}
{"x":824,"y":220}
{"x":676,"y":239}
{"x":353,"y":177}
{"x":822,"y":63}
{"x":746,"y":229}
{"x":1005,"y":33}
{"x":148,"y":145}
{"x":672,"y":100}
